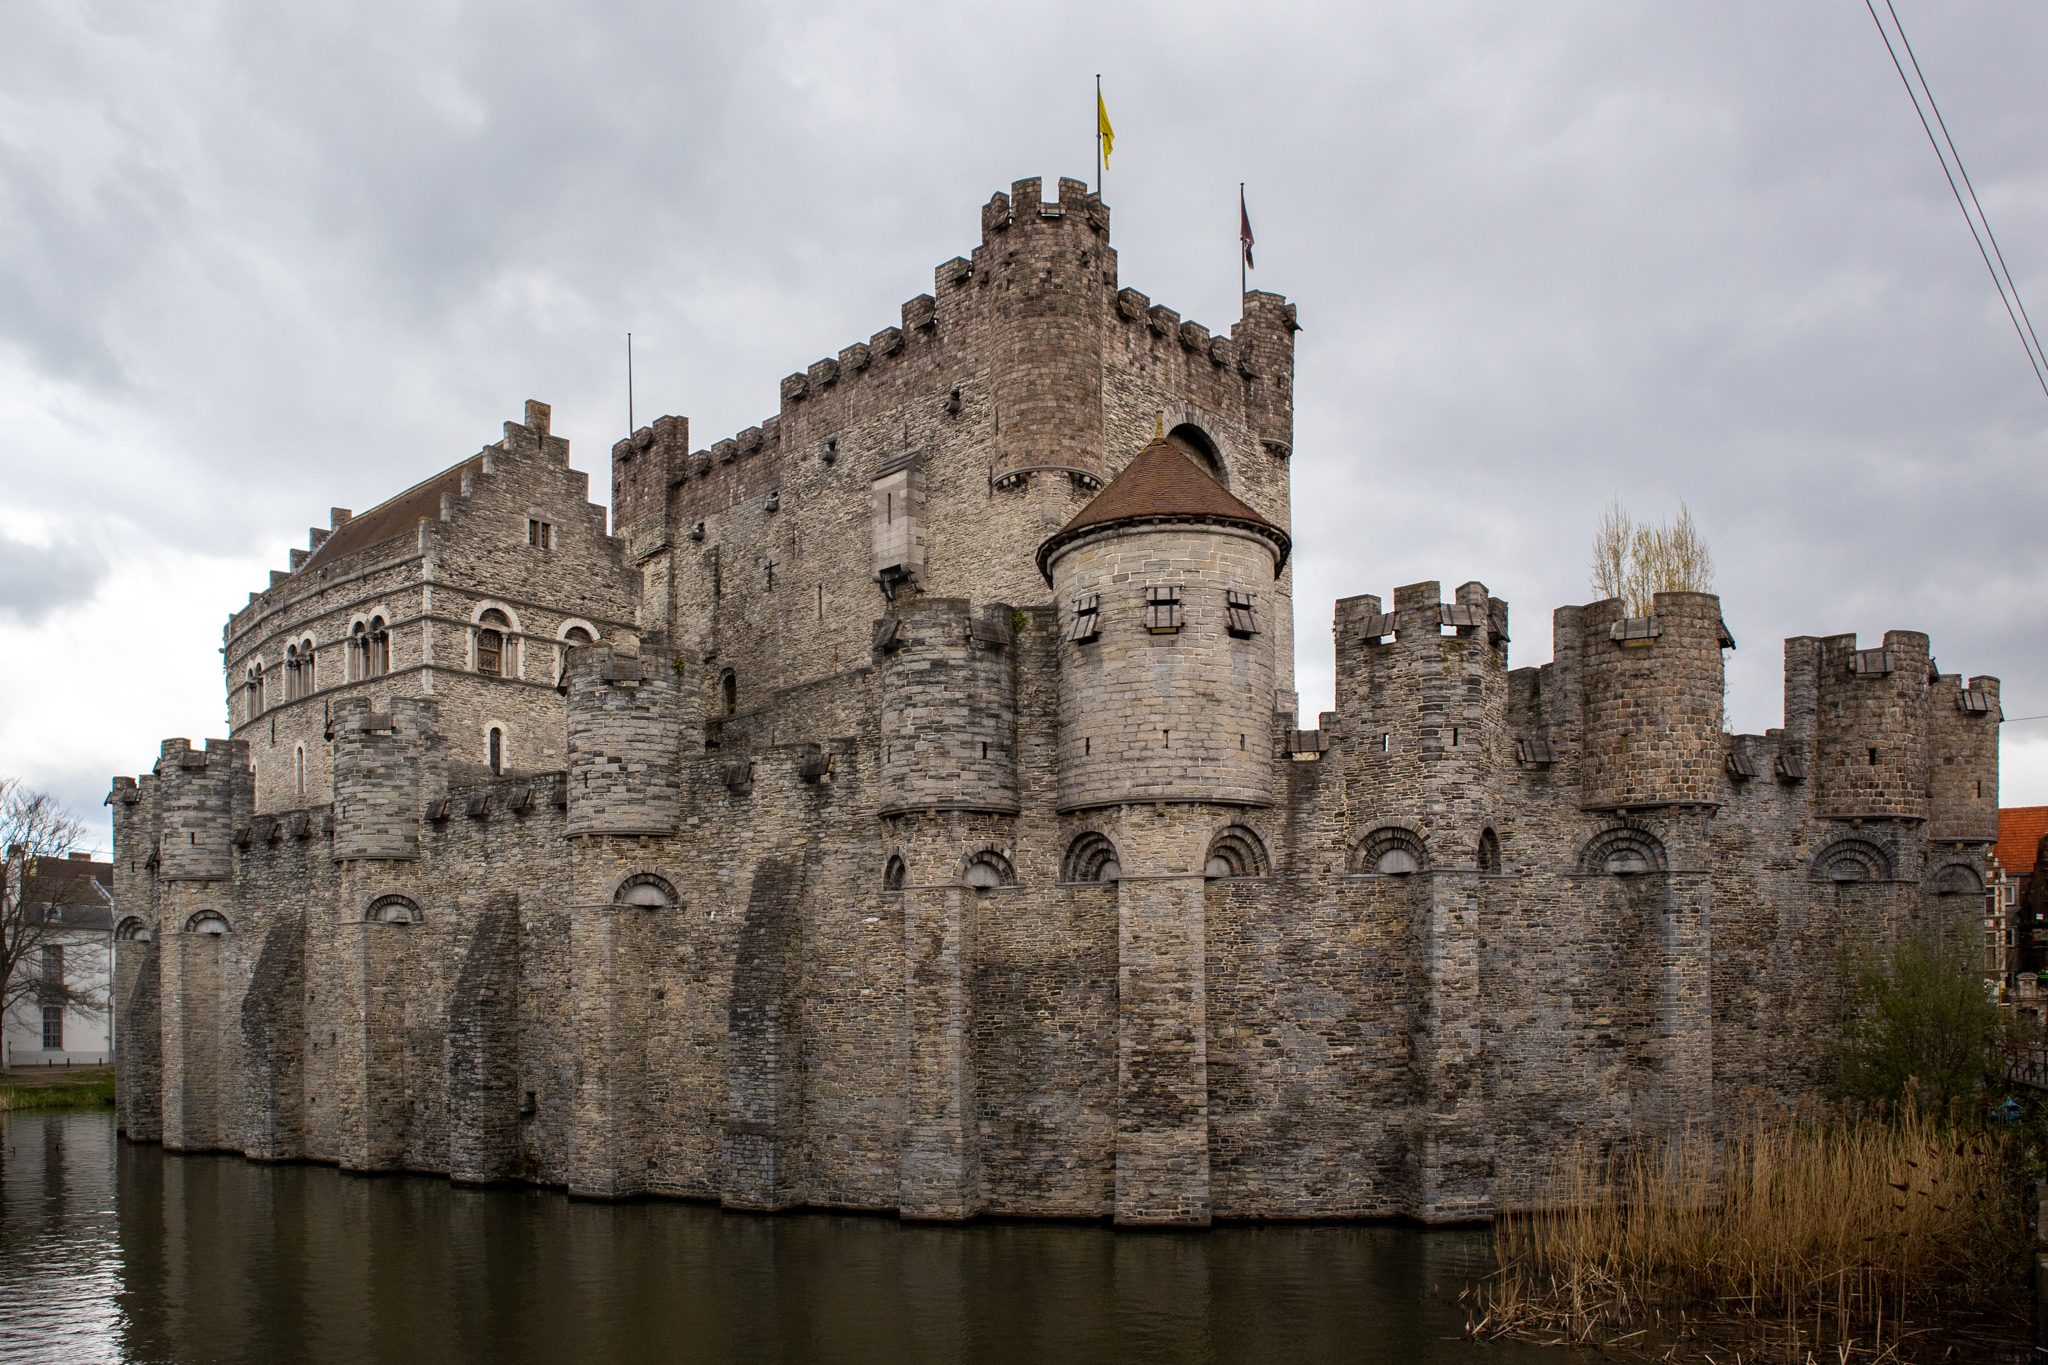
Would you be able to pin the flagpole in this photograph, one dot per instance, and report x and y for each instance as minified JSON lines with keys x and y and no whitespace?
{"x":1242,"y":286}
{"x":629,"y":383}
{"x":1098,"y":135}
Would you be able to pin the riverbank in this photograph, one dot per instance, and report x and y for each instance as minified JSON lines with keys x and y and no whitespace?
{"x":65,"y":1087}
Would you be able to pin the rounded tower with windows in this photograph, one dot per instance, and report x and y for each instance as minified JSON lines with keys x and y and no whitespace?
{"x":1163,"y":585}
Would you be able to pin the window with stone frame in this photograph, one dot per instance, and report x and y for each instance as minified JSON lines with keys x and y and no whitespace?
{"x":490,"y":642}
{"x":494,"y":744}
{"x":572,"y":637}
{"x":540,"y":534}
{"x":53,"y":1028}
{"x":377,"y":649}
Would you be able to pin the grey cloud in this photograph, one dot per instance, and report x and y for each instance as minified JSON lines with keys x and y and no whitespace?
{"x":266,"y":259}
{"x":39,"y":581}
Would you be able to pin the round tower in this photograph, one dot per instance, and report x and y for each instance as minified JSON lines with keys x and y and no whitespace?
{"x":949,"y":707}
{"x":1872,"y":728}
{"x":1652,"y":721}
{"x":625,"y":721}
{"x":196,"y":798}
{"x":1164,"y":584}
{"x":384,"y":761}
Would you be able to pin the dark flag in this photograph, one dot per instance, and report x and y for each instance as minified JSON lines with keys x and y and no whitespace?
{"x":1244,"y":227}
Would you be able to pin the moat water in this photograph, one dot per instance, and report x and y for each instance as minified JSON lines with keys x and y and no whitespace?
{"x":117,"y":1252}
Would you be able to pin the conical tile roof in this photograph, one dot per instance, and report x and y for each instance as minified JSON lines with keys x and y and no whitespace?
{"x":1162,"y":484}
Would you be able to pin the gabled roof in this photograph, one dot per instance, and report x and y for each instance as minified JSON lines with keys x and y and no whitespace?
{"x":395,"y":517}
{"x":2019,"y":835}
{"x":1162,"y":484}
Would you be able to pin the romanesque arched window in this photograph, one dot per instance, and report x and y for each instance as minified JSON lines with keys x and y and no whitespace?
{"x":309,"y":669}
{"x":252,"y":693}
{"x":1623,"y":851}
{"x":1852,"y":860}
{"x":987,"y":869}
{"x":893,"y":874}
{"x":729,"y":692}
{"x":571,"y":638}
{"x":1235,"y":852}
{"x":1091,"y":858}
{"x":494,"y":749}
{"x":1391,"y":851}
{"x":490,"y":642}
{"x":1197,"y":445}
{"x":133,"y":929}
{"x":647,"y":891}
{"x":210,"y":922}
{"x":1488,"y":857}
{"x":299,"y":770}
{"x":393,"y":910}
{"x":291,"y":672}
{"x":1956,"y":879}
{"x":358,"y":652}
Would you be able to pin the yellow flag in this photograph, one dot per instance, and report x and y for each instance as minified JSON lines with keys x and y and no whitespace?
{"x":1102,"y":125}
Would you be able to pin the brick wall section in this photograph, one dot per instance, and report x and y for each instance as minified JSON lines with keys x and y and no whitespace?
{"x":1308,"y":1037}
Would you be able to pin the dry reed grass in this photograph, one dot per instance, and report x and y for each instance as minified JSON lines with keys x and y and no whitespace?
{"x":1822,"y":1232}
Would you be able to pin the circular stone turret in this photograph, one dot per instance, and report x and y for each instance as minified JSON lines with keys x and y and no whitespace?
{"x":1653,"y":703}
{"x":949,"y":718}
{"x":1164,"y":586}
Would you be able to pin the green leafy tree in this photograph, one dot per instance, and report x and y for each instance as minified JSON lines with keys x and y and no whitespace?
{"x":1924,"y":1015}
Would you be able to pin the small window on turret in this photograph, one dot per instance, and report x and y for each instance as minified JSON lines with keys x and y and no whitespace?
{"x":1242,"y":624}
{"x":540,"y":534}
{"x":1087,"y":625}
{"x":1163,"y":610}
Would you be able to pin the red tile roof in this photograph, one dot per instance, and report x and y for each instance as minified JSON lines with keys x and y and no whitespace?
{"x":1162,"y":484}
{"x":2019,"y":836}
{"x":395,"y":517}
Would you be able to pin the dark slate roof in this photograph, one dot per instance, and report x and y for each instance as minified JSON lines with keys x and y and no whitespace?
{"x":396,"y":517}
{"x":1162,"y":484}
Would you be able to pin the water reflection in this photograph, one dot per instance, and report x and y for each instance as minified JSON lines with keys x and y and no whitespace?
{"x":219,"y":1259}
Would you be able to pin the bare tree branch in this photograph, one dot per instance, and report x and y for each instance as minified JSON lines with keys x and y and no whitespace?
{"x":43,"y":896}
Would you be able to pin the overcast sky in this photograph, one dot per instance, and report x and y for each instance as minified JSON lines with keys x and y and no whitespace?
{"x":257,"y":260}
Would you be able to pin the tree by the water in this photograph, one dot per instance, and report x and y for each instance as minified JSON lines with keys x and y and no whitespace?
{"x":39,"y":883}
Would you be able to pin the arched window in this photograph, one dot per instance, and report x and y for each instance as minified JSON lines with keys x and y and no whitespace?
{"x":252,"y":693}
{"x":1957,"y":879}
{"x":1194,"y":442}
{"x":494,"y":743}
{"x":309,"y":675}
{"x":1489,"y":851}
{"x":207,"y":922}
{"x":133,"y":929}
{"x":988,"y":869}
{"x":893,"y":874}
{"x":392,"y":910}
{"x":299,"y":770}
{"x":729,"y":692}
{"x":1092,"y":858}
{"x":490,"y":643}
{"x":1852,"y":860}
{"x":291,"y":672}
{"x":358,"y":652}
{"x":1236,"y":852}
{"x":572,"y":637}
{"x":1623,"y":851}
{"x":1391,"y":851}
{"x":647,"y":891}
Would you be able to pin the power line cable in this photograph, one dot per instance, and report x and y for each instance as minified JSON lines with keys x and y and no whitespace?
{"x":2034,"y":360}
{"x":1964,"y":171}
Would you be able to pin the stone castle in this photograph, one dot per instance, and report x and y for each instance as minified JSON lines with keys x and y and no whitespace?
{"x":903,"y":807}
